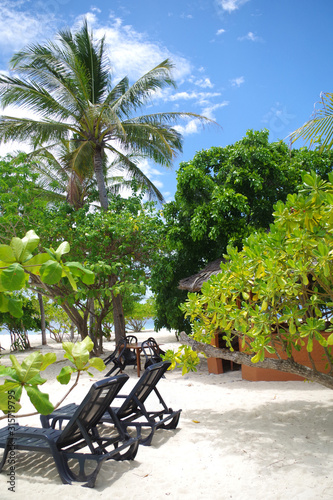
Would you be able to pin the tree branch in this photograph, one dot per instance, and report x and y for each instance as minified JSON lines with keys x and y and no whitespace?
{"x":242,"y":358}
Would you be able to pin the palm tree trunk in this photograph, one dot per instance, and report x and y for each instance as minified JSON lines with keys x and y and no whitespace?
{"x":98,"y":169}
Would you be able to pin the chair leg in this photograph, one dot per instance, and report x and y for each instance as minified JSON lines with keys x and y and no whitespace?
{"x":5,"y":453}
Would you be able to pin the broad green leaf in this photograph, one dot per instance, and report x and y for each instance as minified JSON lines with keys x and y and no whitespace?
{"x":65,"y":374}
{"x":6,"y":371}
{"x":6,"y":254}
{"x":3,"y":303}
{"x":81,"y":357}
{"x":17,"y":367}
{"x":40,"y":400}
{"x":34,"y":264}
{"x":7,"y":404}
{"x":10,"y":385}
{"x":30,"y":241}
{"x":37,"y":380}
{"x":17,"y":247}
{"x":13,"y":278}
{"x":86,"y":343}
{"x":30,"y":366}
{"x":63,"y":248}
{"x":330,"y":339}
{"x":15,"y":308}
{"x":48,"y":359}
{"x":88,"y":277}
{"x":68,"y":347}
{"x":51,"y":272}
{"x":70,"y":279}
{"x":256,"y":358}
{"x":97,"y":363}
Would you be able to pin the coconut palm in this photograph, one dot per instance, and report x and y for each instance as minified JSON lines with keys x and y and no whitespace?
{"x":59,"y":181}
{"x":319,"y":129}
{"x":67,"y":83}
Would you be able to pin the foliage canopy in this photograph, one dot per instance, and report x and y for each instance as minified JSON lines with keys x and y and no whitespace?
{"x":223,"y":195}
{"x":277,"y":292}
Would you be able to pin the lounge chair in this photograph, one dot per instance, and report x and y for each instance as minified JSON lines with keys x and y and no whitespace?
{"x":80,"y":433}
{"x":160,"y":351}
{"x":133,"y":412}
{"x":151,"y":352}
{"x":120,"y":357}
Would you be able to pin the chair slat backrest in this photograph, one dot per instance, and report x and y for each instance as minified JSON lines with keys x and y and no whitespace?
{"x":143,"y":388}
{"x":92,"y":408}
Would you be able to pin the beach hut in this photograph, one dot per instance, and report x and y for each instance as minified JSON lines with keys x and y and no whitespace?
{"x":194,"y":284}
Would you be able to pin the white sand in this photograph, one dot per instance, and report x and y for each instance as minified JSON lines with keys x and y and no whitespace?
{"x":236,"y":439}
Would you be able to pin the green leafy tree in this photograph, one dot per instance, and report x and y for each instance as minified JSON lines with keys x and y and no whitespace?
{"x":275,"y":295}
{"x":138,"y":314}
{"x":119,"y":246}
{"x":319,"y":129}
{"x":223,"y":195}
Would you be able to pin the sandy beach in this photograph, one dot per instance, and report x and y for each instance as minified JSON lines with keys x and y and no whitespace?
{"x":235,"y":440}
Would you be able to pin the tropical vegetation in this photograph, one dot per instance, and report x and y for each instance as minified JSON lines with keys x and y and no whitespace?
{"x":223,"y":195}
{"x":276,"y":294}
{"x":67,"y":84}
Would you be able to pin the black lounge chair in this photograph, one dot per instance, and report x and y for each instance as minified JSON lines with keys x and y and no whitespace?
{"x":151,"y":352}
{"x":160,"y":351}
{"x":133,"y":412}
{"x":121,"y":357}
{"x":79,"y":433}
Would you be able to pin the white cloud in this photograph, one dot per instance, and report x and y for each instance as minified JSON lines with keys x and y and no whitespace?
{"x":192,"y":127}
{"x":230,"y":5}
{"x":208,"y":112}
{"x":19,"y":27}
{"x":204,"y":83}
{"x":201,"y":98}
{"x":250,"y":37}
{"x":132,"y":53}
{"x":219,"y":32}
{"x":237,"y":82}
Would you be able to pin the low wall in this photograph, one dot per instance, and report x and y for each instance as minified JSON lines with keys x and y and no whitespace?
{"x":261,"y":374}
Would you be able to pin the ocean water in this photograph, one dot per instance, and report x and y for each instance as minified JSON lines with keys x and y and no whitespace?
{"x":148,"y":326}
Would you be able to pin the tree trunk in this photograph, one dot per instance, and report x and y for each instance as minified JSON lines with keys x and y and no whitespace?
{"x":42,"y":318}
{"x":288,"y":365}
{"x":98,"y":169}
{"x":72,"y":332}
{"x":118,"y":317}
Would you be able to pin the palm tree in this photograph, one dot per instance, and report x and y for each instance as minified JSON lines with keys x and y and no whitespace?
{"x":319,"y":129}
{"x":60,"y":181}
{"x":68,"y":84}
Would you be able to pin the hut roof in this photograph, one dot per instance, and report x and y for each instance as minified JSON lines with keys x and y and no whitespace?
{"x":195,"y":282}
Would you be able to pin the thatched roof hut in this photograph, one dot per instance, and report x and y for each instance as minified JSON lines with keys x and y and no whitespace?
{"x":195,"y":282}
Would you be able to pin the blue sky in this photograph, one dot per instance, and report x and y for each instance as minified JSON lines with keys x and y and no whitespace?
{"x":244,"y":63}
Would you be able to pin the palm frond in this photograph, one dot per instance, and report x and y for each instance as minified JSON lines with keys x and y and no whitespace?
{"x":34,"y":131}
{"x":319,"y":129}
{"x":128,"y":163}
